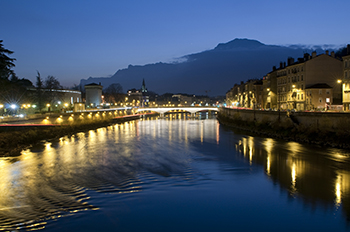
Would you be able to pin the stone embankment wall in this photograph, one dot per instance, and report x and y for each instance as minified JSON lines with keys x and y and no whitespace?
{"x":319,"y":120}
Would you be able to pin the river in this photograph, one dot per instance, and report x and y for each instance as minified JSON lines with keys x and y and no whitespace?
{"x":174,"y":175}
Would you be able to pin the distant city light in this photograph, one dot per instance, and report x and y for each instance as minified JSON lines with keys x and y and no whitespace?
{"x":13,"y":106}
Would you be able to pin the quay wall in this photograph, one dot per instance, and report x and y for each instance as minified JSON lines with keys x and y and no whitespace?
{"x":318,"y":120}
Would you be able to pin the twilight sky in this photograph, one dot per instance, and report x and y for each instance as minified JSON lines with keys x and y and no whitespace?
{"x":77,"y":39}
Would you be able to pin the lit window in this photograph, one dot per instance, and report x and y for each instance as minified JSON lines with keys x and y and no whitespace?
{"x":328,"y":100}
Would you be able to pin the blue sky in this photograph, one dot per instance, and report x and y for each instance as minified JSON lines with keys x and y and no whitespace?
{"x":72,"y":40}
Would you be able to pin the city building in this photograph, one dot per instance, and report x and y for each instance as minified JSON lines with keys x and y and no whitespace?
{"x":56,"y":99}
{"x":293,"y":79}
{"x":183,"y":100}
{"x":93,"y":95}
{"x":309,"y":83}
{"x":144,"y":93}
{"x":269,"y":93}
{"x":346,"y":80}
{"x":318,"y":97}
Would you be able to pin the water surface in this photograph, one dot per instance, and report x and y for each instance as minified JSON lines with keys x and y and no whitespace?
{"x":175,"y":175}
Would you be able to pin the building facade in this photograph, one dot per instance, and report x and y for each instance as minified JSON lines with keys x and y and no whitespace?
{"x":293,"y":79}
{"x":318,"y":97}
{"x":346,"y":80}
{"x":312,"y":82}
{"x":93,"y":95}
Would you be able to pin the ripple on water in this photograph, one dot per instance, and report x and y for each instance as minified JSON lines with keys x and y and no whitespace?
{"x":55,"y":181}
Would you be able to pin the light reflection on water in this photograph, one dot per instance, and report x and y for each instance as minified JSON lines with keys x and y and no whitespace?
{"x":309,"y":173}
{"x":146,"y":157}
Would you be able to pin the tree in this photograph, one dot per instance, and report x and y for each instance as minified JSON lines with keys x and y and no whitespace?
{"x":6,"y":63}
{"x":39,"y":91}
{"x":13,"y":78}
{"x":114,"y":93}
{"x":51,"y":84}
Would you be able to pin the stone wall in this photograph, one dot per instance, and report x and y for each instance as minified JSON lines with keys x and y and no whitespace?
{"x":320,"y":120}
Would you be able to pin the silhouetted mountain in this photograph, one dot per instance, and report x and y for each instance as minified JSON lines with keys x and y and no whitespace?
{"x":240,"y":44}
{"x":214,"y":71}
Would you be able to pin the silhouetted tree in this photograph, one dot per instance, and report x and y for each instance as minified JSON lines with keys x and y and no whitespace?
{"x":6,"y":63}
{"x":51,"y":84}
{"x":114,"y":93}
{"x":39,"y":91}
{"x":14,"y":78}
{"x":15,"y":92}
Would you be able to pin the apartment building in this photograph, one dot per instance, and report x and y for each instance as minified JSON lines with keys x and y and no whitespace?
{"x":346,"y":80}
{"x":318,"y":97}
{"x":270,"y":90}
{"x":313,"y":82}
{"x":293,"y":79}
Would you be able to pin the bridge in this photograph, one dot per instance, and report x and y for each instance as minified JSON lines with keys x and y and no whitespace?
{"x":162,"y":110}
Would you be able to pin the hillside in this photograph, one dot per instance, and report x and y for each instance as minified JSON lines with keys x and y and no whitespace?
{"x":214,"y":71}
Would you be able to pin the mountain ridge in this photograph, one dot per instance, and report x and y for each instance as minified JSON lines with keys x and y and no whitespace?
{"x":215,"y":70}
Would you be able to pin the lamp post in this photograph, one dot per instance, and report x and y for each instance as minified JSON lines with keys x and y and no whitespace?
{"x":294,"y":97}
{"x":339,"y":81}
{"x":268,"y":98}
{"x":254,"y":107}
{"x":279,"y":103}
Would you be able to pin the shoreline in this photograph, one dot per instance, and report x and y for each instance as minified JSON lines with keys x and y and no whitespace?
{"x":287,"y":131}
{"x":13,"y":142}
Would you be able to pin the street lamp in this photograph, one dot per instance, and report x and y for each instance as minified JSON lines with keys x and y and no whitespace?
{"x":294,"y":96}
{"x":339,"y":81}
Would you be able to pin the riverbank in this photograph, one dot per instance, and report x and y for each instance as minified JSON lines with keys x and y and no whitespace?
{"x":13,"y":142}
{"x":286,"y":129}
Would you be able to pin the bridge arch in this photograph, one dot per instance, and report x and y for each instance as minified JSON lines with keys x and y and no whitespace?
{"x":191,"y":110}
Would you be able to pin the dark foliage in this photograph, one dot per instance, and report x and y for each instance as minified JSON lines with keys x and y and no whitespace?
{"x":6,"y":63}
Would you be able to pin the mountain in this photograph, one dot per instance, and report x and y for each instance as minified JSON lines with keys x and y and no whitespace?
{"x":214,"y":71}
